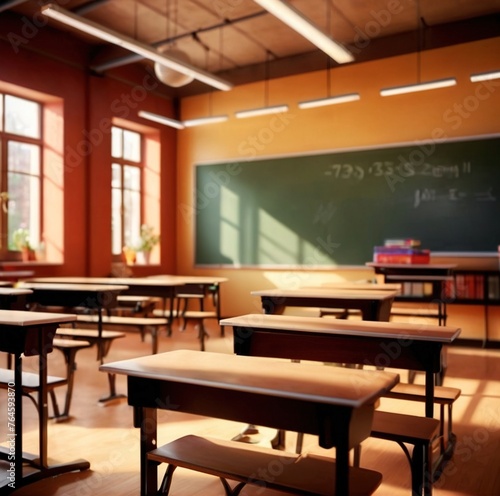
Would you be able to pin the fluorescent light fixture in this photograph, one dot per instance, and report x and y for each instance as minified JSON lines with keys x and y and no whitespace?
{"x":412,"y":88}
{"x":205,"y":120}
{"x":484,"y":76}
{"x":160,"y":119}
{"x":242,"y":114}
{"x":332,"y":100}
{"x":296,"y":20}
{"x":148,"y":52}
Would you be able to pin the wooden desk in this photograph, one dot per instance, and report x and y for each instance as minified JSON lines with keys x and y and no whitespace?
{"x":96,"y":297}
{"x":435,"y":274}
{"x":384,"y":344}
{"x":300,"y":397}
{"x":14,"y":275}
{"x":137,"y":286}
{"x":362,"y":286}
{"x":31,"y":334}
{"x":13,"y":298}
{"x":196,"y":285}
{"x":374,"y":305}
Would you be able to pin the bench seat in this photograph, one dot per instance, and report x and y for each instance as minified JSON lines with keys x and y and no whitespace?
{"x":421,"y":432}
{"x":92,"y":336}
{"x":196,"y":316}
{"x":141,"y":323}
{"x":415,"y":312}
{"x":299,"y":474}
{"x":31,"y":381}
{"x":69,"y":348}
{"x":103,"y":342}
{"x":31,"y":384}
{"x":444,"y":396}
{"x":134,"y":305}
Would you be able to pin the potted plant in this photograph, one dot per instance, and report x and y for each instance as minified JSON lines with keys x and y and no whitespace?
{"x":148,"y":240}
{"x":21,"y":240}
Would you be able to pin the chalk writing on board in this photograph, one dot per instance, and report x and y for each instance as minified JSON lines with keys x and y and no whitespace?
{"x":402,"y":169}
{"x":453,"y":194}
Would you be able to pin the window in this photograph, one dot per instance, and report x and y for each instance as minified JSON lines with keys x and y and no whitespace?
{"x":126,"y":186}
{"x":20,"y":170}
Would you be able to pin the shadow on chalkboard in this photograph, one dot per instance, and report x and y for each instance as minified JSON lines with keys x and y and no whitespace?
{"x":333,"y":208}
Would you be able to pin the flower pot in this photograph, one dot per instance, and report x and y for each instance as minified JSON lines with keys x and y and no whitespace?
{"x":130,"y":255}
{"x":27,"y":254}
{"x":143,"y":257}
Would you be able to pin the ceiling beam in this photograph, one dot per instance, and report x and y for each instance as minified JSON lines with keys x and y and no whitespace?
{"x":438,"y":36}
{"x":101,"y":63}
{"x":89,"y":6}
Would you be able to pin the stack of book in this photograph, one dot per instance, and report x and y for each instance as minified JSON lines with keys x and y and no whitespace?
{"x":401,"y":251}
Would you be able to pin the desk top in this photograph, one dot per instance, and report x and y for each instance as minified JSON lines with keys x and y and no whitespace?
{"x":265,"y":376}
{"x":361,"y":328}
{"x":362,"y":286}
{"x":412,"y":266}
{"x":24,"y":319}
{"x":10,"y":275}
{"x":151,"y":281}
{"x":94,"y":288}
{"x":419,"y":278}
{"x":190,"y":279}
{"x":326,"y":293}
{"x":14,"y":291}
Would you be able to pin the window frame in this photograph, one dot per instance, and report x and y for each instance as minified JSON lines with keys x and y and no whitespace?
{"x":122,"y":163}
{"x":5,"y":138}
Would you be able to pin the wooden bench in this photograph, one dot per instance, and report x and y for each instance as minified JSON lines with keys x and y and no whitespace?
{"x":134,"y":305}
{"x":103,"y":343}
{"x":421,"y":432}
{"x":197,"y":292}
{"x":69,"y":349}
{"x":141,"y":323}
{"x":443,"y":396}
{"x":339,"y":313}
{"x":431,"y":313}
{"x":249,"y":464}
{"x":196,"y":316}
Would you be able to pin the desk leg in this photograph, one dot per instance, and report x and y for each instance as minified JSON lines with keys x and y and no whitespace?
{"x":171,"y":312}
{"x":382,"y":311}
{"x":18,"y":416}
{"x":146,"y":420}
{"x":272,"y":305}
{"x":342,"y":465}
{"x":429,"y":394}
{"x":101,"y":353}
{"x":170,"y":317}
{"x":40,"y":463}
{"x":43,"y":410}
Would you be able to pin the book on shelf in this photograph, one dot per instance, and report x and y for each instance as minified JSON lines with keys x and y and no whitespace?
{"x":400,"y":255}
{"x":494,"y":287}
{"x":406,"y":242}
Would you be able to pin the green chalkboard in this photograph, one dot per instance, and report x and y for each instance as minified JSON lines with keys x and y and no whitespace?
{"x":333,"y":208}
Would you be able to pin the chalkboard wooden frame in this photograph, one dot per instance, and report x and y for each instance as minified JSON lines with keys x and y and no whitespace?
{"x":331,"y":208}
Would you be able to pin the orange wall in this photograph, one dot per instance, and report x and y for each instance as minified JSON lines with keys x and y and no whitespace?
{"x":374,"y":120}
{"x":88,"y":104}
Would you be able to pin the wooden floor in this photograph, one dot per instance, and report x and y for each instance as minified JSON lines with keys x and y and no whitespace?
{"x":104,"y":434}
